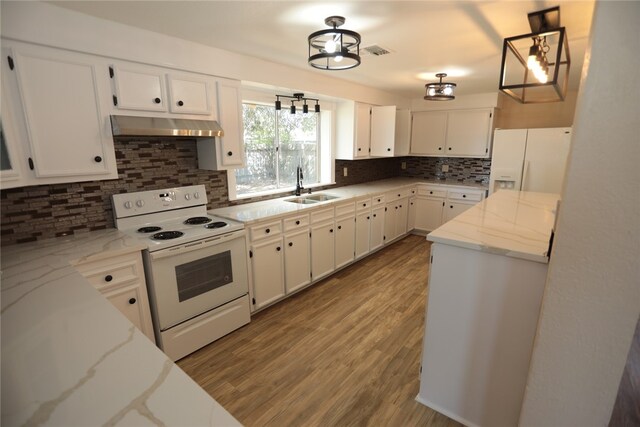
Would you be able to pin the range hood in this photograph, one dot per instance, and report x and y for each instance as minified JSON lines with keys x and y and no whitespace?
{"x":162,"y":126}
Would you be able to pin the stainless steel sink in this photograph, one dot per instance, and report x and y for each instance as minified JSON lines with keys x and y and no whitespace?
{"x":321,"y":197}
{"x":302,"y":201}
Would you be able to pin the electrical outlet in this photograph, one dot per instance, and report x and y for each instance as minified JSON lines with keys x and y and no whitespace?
{"x":403,"y":165}
{"x":445,"y":168}
{"x":344,"y":171}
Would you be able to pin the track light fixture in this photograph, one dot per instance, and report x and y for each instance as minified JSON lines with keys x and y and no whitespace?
{"x":297,"y":97}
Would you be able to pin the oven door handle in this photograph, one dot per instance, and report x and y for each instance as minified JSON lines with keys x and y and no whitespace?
{"x":200,"y":244}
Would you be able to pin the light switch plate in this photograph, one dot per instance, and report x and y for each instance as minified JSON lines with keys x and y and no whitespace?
{"x":445,"y":168}
{"x":344,"y":171}
{"x":403,"y":165}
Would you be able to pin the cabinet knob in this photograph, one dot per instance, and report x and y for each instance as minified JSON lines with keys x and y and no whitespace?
{"x":449,"y":148}
{"x":278,"y":248}
{"x":267,"y":231}
{"x":97,"y":159}
{"x":157,"y":100}
{"x":388,"y":149}
{"x":400,"y":205}
{"x":430,"y":192}
{"x":290,"y":243}
{"x":464,"y":195}
{"x":359,"y":149}
{"x":439,"y":148}
{"x":180,"y":103}
{"x":108,"y":278}
{"x":339,"y":227}
{"x":331,"y":230}
{"x":368,"y":218}
{"x":229,"y":153}
{"x":375,"y":215}
{"x":132,"y":300}
{"x":378,"y":200}
{"x":297,"y":222}
{"x":451,"y":206}
{"x":396,"y":207}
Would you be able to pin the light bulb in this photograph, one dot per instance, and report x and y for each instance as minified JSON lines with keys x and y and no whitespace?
{"x":532,"y":59}
{"x":330,"y":46}
{"x":431,"y":91}
{"x":448,"y":90}
{"x":338,"y":58}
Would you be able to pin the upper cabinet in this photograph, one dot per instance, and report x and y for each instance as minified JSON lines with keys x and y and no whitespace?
{"x":365,"y":131}
{"x":54,"y":116}
{"x":152,"y":89}
{"x":455,"y":133}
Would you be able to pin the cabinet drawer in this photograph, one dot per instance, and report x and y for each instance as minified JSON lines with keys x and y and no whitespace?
{"x":363,"y":204}
{"x":262,"y":231}
{"x":296,"y":222}
{"x":321,"y":215}
{"x":397,"y":194}
{"x":432,"y":192}
{"x":345,"y":209}
{"x":464,"y":195}
{"x":113,"y":272}
{"x":377,"y":200}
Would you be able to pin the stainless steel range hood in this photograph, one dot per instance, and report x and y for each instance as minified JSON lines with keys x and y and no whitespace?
{"x":162,"y":126}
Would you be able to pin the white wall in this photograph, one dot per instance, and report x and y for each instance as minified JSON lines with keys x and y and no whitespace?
{"x":54,"y":26}
{"x":592,"y":296}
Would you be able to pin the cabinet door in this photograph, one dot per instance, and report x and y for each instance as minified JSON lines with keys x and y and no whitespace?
{"x":545,"y":159}
{"x":469,"y":133}
{"x":383,"y":130}
{"x":139,"y":88}
{"x":403,"y":133}
{"x":63,"y":115}
{"x":297,"y":260}
{"x":453,"y":209}
{"x":429,"y":132}
{"x":322,"y":250}
{"x":376,"y":239}
{"x":428,"y":213}
{"x":363,"y":230}
{"x":345,"y":241}
{"x":132,"y":301}
{"x":230,"y":118}
{"x":11,"y":157}
{"x":411,"y":214}
{"x":189,"y":95}
{"x":268,"y":272}
{"x":363,"y":130}
{"x":402,"y":216}
{"x":390,"y":219}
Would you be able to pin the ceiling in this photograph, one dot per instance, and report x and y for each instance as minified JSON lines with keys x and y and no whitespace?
{"x":461,"y":38}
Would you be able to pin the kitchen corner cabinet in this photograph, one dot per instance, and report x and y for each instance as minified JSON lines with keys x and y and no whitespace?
{"x":121,"y":280}
{"x":365,"y":131}
{"x":455,"y":133}
{"x":55,"y":111}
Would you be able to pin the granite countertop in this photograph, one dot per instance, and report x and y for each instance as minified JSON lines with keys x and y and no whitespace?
{"x":512,"y":223}
{"x":70,"y":358}
{"x":249,"y":213}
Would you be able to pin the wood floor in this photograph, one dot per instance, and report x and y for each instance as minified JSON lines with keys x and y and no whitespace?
{"x":344,"y":352}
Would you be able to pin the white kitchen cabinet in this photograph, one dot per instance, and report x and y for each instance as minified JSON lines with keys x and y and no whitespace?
{"x":322,"y":249}
{"x":403,"y":133}
{"x":454,"y":208}
{"x":455,"y":133}
{"x":411,"y":214}
{"x":267,"y":267}
{"x":11,"y":165}
{"x":363,"y":227}
{"x":358,"y":136}
{"x":153,"y":89}
{"x":396,"y":216}
{"x":428,"y":213}
{"x":56,"y":115}
{"x":376,"y":239}
{"x":121,"y":280}
{"x":345,"y":230}
{"x":297,"y":260}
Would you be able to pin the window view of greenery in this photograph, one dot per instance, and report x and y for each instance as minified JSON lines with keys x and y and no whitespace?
{"x":276,"y":142}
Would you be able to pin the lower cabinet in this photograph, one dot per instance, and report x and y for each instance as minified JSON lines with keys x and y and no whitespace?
{"x":411,"y":215}
{"x":363,"y":233}
{"x":345,"y":241}
{"x":297,"y":260}
{"x":396,"y":215}
{"x":376,"y":238}
{"x":428,"y":213}
{"x":453,"y":209}
{"x":267,"y":265}
{"x":435,"y":205}
{"x":121,"y":280}
{"x":322,"y":249}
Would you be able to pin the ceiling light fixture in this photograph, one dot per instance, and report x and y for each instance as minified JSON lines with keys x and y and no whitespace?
{"x":535,"y":66}
{"x":334,"y":49}
{"x":440,"y":91}
{"x":297,"y":97}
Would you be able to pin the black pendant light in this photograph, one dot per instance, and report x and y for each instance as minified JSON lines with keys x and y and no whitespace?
{"x":335,"y":48}
{"x":440,"y":91}
{"x":297,"y":97}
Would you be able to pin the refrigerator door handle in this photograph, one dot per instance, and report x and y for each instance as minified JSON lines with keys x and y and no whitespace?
{"x":525,"y":175}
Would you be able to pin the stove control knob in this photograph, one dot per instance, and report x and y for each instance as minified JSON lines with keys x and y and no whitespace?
{"x":187,"y":196}
{"x":139,"y":203}
{"x":128,"y":205}
{"x":196,"y":195}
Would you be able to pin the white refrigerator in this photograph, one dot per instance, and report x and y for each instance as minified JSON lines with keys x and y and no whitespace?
{"x":529,"y":159}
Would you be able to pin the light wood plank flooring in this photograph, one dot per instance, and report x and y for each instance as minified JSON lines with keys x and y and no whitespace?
{"x":344,"y":352}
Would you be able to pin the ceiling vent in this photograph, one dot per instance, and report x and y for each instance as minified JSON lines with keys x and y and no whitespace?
{"x":375,"y":50}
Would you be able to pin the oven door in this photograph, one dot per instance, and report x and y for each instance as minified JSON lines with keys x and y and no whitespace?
{"x":191,"y":279}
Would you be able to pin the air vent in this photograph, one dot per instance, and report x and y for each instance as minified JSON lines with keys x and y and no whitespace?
{"x":375,"y":50}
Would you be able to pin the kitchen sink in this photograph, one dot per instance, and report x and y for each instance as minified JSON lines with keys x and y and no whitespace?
{"x":302,"y":201}
{"x":321,"y":197}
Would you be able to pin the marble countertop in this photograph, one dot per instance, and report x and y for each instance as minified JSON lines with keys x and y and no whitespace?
{"x":249,"y":213}
{"x":511,"y":223}
{"x":70,"y":358}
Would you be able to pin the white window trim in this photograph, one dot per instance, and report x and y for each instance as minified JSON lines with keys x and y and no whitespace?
{"x":327,"y":141}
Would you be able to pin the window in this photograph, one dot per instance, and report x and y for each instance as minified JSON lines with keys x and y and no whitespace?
{"x":276,"y":143}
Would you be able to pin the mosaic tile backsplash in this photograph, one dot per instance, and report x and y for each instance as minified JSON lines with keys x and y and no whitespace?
{"x":45,"y":211}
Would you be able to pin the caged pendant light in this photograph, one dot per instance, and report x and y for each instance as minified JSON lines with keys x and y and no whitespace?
{"x":440,"y":91}
{"x":334,"y":48}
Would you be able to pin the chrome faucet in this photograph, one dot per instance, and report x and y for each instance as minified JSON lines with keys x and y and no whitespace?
{"x":299,"y":178}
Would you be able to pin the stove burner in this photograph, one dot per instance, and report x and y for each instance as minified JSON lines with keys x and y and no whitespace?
{"x":198,"y":220}
{"x":149,"y":229}
{"x":217,"y":224}
{"x":167,"y":235}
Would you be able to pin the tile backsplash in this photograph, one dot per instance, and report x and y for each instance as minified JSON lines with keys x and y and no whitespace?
{"x":45,"y":211}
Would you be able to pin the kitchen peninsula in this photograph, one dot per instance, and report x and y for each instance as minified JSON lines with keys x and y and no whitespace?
{"x":487,"y":277}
